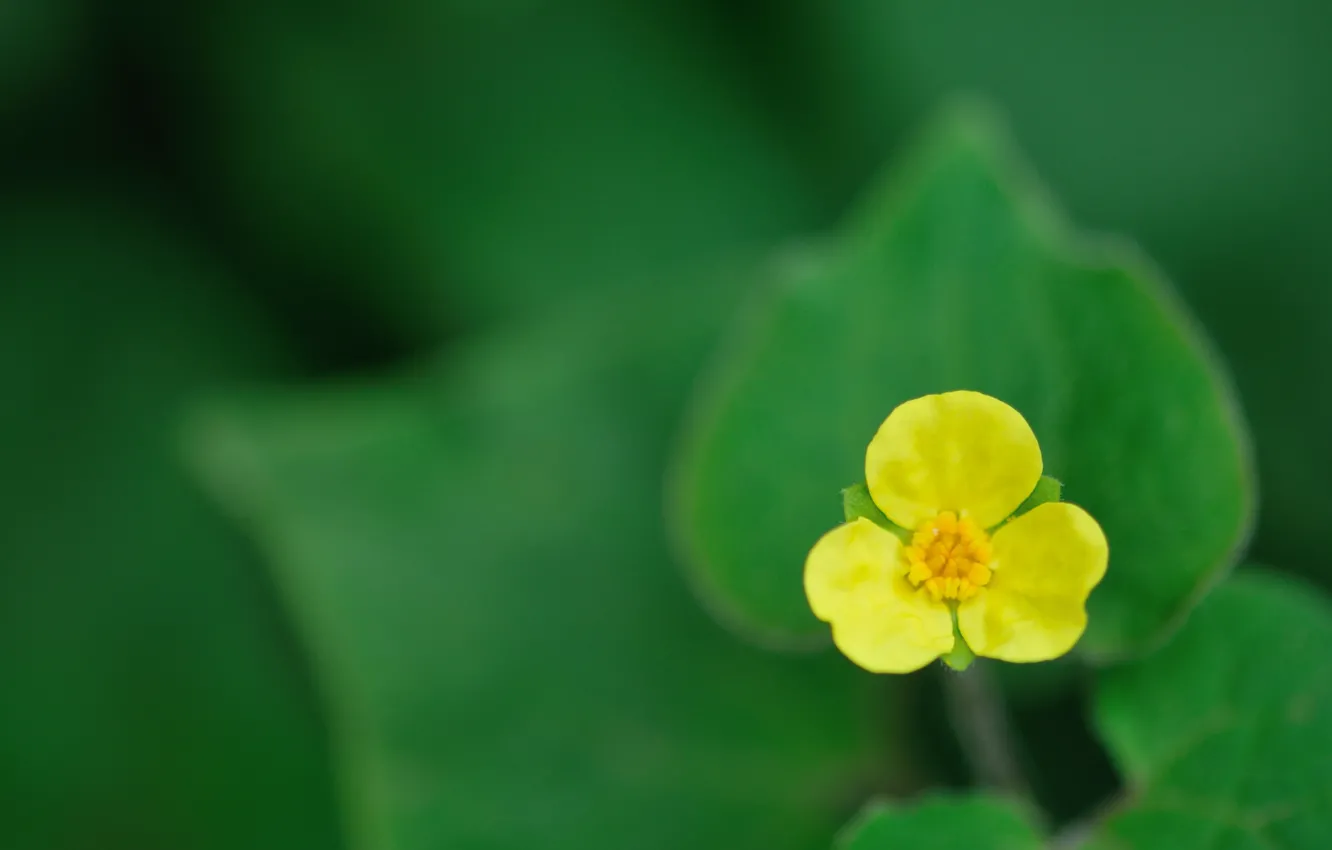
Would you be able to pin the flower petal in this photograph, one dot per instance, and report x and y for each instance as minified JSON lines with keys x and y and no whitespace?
{"x":1045,"y":563}
{"x":895,"y":629}
{"x":855,"y":579}
{"x":844,"y":562}
{"x":960,"y":451}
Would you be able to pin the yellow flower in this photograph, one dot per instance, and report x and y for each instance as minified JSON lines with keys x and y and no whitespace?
{"x":951,"y":469}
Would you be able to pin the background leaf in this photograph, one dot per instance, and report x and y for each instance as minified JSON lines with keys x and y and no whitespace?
{"x":152,"y":696}
{"x":477,"y":160}
{"x":942,"y":823}
{"x":956,"y":276}
{"x":1223,"y":735}
{"x":476,"y":558}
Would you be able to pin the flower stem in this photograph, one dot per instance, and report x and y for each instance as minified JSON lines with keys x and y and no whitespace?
{"x":1078,"y":832}
{"x":977,"y":713}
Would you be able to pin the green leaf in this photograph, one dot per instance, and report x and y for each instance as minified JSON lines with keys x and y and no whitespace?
{"x":476,"y":557}
{"x":958,"y":274}
{"x":975,"y":822}
{"x":1223,"y":736}
{"x":151,"y":696}
{"x":480,"y":159}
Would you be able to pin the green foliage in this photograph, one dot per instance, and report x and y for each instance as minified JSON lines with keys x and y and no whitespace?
{"x":475,"y":557}
{"x":942,"y":823}
{"x":1223,"y":736}
{"x":485,"y":159}
{"x":151,"y":697}
{"x":958,"y":275}
{"x":500,"y":203}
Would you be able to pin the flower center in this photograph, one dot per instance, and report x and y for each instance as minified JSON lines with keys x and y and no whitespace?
{"x":949,"y":557}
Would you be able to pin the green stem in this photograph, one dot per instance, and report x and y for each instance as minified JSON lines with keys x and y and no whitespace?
{"x":977,"y":712}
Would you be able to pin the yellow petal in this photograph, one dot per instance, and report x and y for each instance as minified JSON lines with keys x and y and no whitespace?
{"x":1045,"y":564}
{"x":855,"y":578}
{"x":845,"y":561}
{"x":894,"y":628}
{"x":960,"y":451}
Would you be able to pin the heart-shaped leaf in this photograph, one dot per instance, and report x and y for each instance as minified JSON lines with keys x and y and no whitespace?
{"x":958,"y":274}
{"x":478,"y":562}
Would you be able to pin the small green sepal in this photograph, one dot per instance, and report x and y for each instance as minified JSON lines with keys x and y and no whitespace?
{"x":960,"y":656}
{"x":856,"y":503}
{"x":1047,"y":490}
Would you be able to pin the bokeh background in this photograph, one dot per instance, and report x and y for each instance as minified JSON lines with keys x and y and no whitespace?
{"x":198,"y":197}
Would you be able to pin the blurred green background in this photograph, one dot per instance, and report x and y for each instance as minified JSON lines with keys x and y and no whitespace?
{"x":449,"y":201}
